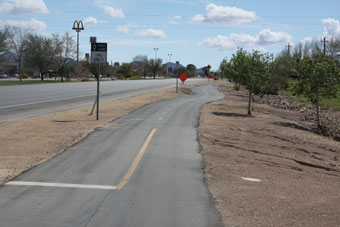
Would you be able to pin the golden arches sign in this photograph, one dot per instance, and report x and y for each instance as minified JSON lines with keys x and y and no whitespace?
{"x":78,"y":25}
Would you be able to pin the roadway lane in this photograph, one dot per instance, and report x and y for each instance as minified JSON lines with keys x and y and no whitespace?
{"x":144,"y":169}
{"x":17,"y":102}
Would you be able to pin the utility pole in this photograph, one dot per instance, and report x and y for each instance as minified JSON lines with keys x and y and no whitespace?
{"x":324,"y":45}
{"x":78,"y":26}
{"x":289,"y":46}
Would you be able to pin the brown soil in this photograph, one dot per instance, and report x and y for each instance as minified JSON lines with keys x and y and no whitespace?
{"x":298,"y":168}
{"x":29,"y":142}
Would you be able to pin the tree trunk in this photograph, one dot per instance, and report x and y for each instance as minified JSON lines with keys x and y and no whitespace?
{"x":20,"y":77}
{"x":42,"y":75}
{"x":317,"y":109}
{"x":249,"y":103}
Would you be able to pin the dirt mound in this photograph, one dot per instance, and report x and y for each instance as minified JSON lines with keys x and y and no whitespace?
{"x":306,"y":114}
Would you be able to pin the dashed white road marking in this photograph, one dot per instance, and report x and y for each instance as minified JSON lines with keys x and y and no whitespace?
{"x":61,"y":185}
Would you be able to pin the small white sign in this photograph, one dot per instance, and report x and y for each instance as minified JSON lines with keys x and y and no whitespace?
{"x":98,"y":52}
{"x":98,"y":57}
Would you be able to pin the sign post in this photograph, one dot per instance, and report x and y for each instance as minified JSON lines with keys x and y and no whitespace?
{"x":98,"y":55}
{"x":177,"y":64}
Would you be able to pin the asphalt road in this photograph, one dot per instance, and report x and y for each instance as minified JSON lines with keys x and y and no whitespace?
{"x":18,"y":102}
{"x":144,"y":169}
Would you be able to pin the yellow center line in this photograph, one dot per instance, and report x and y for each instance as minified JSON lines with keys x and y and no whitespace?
{"x":134,"y":165}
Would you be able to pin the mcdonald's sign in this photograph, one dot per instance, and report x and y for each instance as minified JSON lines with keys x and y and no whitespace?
{"x":78,"y":26}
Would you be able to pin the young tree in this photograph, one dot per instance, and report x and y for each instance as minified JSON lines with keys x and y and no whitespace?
{"x":142,"y":64}
{"x":65,"y":49}
{"x":125,"y":71}
{"x":39,"y":53}
{"x":4,"y":39}
{"x":190,"y":70}
{"x":318,"y":78}
{"x":155,"y":66}
{"x":18,"y":45}
{"x":252,"y":70}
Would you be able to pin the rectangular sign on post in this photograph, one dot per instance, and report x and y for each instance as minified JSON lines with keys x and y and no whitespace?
{"x":93,"y":39}
{"x":99,"y":52}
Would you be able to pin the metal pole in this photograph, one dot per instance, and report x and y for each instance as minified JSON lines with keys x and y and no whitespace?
{"x":177,"y":63}
{"x":78,"y":45}
{"x":78,"y":26}
{"x":98,"y":77}
{"x":155,"y":49}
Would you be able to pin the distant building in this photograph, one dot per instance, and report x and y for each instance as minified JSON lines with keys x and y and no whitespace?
{"x":116,"y":65}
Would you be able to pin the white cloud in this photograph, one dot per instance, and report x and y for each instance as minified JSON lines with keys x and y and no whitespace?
{"x":133,"y":42}
{"x":90,"y":20}
{"x":177,"y":17}
{"x":126,"y":28}
{"x":332,"y":27}
{"x":225,"y":15}
{"x":123,"y":29}
{"x":152,"y":33}
{"x":29,"y":25}
{"x":264,"y":38}
{"x":23,"y":6}
{"x":114,"y":13}
{"x":306,"y":40}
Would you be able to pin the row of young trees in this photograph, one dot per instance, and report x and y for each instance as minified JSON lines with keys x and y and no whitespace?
{"x":316,"y":71}
{"x":38,"y":52}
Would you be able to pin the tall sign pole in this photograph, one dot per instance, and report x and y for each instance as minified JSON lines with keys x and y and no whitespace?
{"x":78,"y":26}
{"x":98,"y":55}
{"x":98,"y":78}
{"x":177,"y":64}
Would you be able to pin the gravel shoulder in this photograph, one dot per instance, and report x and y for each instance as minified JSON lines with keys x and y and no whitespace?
{"x":271,"y":169}
{"x":29,"y":142}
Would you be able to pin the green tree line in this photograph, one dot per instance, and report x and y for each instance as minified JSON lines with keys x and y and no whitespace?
{"x":52,"y":55}
{"x":314,"y":66}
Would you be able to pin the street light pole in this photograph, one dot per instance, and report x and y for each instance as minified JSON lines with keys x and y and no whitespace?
{"x":169,"y":57}
{"x":167,"y":66}
{"x":78,"y":26}
{"x":155,"y":49}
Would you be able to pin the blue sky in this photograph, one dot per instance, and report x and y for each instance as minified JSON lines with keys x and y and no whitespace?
{"x":200,"y":32}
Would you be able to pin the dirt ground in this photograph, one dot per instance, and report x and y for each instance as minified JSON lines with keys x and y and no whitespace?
{"x":294,"y":172}
{"x":29,"y":142}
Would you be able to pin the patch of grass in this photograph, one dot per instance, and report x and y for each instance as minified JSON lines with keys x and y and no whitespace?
{"x":333,"y":103}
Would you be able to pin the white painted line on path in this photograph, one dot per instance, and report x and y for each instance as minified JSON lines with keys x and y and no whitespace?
{"x":251,"y":179}
{"x":61,"y":185}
